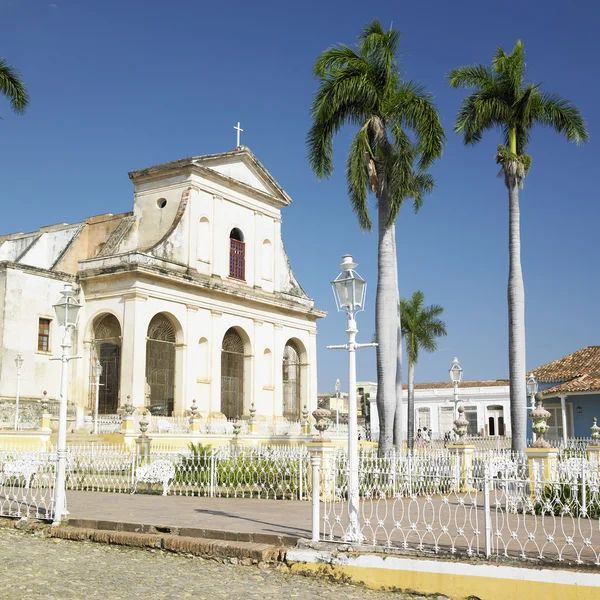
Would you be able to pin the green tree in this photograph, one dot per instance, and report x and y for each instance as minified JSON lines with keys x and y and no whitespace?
{"x":362,"y":87}
{"x":421,"y":326}
{"x":13,"y":88}
{"x":503,"y":98}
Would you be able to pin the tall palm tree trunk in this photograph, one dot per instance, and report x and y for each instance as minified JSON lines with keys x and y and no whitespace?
{"x":516,"y":315}
{"x":386,"y":326}
{"x":410,"y":425}
{"x":398,"y":414}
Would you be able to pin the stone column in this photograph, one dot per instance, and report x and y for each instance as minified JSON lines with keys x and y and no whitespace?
{"x":133,"y":350}
{"x":461,"y":458}
{"x":257,"y":398}
{"x":563,"y":410}
{"x":277,"y":409}
{"x":180,"y":392}
{"x":542,"y":466}
{"x":46,"y":416}
{"x":311,"y":401}
{"x":216,"y":342}
{"x":192,"y":336}
{"x":321,"y":453}
{"x":374,"y":418}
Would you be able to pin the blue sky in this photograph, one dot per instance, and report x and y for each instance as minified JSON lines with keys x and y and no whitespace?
{"x":117,"y":86}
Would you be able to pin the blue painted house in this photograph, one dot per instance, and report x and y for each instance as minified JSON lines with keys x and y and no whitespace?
{"x":570,"y":387}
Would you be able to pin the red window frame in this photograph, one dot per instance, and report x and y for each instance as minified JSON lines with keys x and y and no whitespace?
{"x":237,"y":259}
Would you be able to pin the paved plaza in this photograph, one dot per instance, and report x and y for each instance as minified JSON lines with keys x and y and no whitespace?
{"x":33,"y":568}
{"x":557,"y":538}
{"x":271,"y":517}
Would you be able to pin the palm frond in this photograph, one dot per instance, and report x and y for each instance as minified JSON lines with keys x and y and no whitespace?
{"x":474,"y":76}
{"x":338,"y":58}
{"x":420,"y":325}
{"x":414,"y":108}
{"x":357,"y":176}
{"x":344,"y":98}
{"x":13,"y":88}
{"x":478,"y":113}
{"x":551,"y":110}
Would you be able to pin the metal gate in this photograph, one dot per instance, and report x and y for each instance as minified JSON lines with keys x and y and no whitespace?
{"x":110,"y":359}
{"x":291,"y":383}
{"x":106,"y":348}
{"x":232,"y":375}
{"x":160,"y":366}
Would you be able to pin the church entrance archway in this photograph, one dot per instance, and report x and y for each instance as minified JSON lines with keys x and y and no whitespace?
{"x":232,"y":375}
{"x":160,"y":366}
{"x":291,"y":382}
{"x":106,"y":347}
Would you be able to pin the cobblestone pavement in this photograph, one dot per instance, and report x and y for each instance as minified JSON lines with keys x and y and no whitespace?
{"x":33,"y":567}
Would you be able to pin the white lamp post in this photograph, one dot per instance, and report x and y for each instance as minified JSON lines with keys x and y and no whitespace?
{"x":532,"y":390}
{"x":18,"y":363}
{"x":456,"y":374}
{"x":66,"y":309}
{"x":97,"y":373}
{"x":349,"y":290}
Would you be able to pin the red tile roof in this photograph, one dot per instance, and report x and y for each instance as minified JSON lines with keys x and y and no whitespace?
{"x":585,"y":383}
{"x":583,"y":362}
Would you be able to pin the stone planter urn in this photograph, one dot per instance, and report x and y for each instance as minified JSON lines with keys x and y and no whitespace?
{"x":540,"y":426}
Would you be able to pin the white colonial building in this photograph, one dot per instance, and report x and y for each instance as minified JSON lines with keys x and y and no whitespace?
{"x":189,"y":296}
{"x":486,"y":404}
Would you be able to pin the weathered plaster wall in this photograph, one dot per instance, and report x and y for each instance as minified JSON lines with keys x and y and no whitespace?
{"x":11,"y":247}
{"x":28,"y":297}
{"x":47,"y":249}
{"x":88,"y":243}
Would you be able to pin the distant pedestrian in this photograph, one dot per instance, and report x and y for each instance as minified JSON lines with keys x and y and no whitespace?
{"x":420,"y":441}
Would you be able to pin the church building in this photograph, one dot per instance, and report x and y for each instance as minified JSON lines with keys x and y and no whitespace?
{"x":189,"y":296}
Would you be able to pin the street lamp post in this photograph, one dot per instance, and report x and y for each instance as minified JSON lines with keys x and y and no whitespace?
{"x":532,"y":390}
{"x":97,"y":373}
{"x":349,"y":290}
{"x":18,"y":363}
{"x":456,"y":374}
{"x":67,"y":309}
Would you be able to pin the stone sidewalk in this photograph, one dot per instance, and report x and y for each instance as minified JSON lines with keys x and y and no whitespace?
{"x":239,"y":515}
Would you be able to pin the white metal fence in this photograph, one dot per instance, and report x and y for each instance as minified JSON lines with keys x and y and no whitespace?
{"x":425,"y":503}
{"x":270,"y":472}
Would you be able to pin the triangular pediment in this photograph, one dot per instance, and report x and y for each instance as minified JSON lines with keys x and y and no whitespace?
{"x":239,"y":166}
{"x":242,"y":166}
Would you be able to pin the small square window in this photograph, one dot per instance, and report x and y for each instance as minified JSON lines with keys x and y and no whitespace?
{"x":44,"y":335}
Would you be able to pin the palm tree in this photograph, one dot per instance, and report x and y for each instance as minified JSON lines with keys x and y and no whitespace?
{"x":13,"y":88}
{"x":503,"y":98}
{"x":362,"y":87}
{"x":421,"y":326}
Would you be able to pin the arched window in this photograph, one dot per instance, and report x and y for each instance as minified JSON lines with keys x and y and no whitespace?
{"x":291,"y":382}
{"x":160,"y":366}
{"x":267,"y":260}
{"x":204,"y":240}
{"x":106,"y":348}
{"x":237,"y":255}
{"x":232,"y":375}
